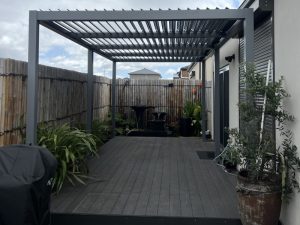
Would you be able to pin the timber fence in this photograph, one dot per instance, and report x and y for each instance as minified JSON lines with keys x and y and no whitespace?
{"x":62,"y":97}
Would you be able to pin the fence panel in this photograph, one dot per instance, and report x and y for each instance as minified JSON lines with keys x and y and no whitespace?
{"x":61,"y":98}
{"x":164,"y":95}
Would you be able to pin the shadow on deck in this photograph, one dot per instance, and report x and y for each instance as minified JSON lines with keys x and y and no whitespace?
{"x":150,"y":180}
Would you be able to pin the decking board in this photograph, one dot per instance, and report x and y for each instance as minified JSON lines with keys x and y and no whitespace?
{"x":152,"y":176}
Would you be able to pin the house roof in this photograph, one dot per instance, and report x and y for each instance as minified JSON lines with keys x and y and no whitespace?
{"x":184,"y":67}
{"x":144,"y":72}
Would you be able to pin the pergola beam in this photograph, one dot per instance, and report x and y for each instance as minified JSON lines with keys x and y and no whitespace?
{"x":159,"y":60}
{"x":150,"y":15}
{"x":162,"y":54}
{"x":149,"y":47}
{"x":147,"y":35}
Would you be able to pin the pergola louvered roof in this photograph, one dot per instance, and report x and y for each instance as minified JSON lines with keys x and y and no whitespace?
{"x":145,"y":36}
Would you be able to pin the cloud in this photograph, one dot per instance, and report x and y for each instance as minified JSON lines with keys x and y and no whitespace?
{"x":60,"y":52}
{"x":171,"y":71}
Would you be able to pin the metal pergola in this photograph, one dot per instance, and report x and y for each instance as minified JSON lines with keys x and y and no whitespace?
{"x":138,"y":36}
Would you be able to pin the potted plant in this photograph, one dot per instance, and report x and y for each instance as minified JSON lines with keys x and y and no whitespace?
{"x":267,"y":171}
{"x":197,"y":120}
{"x":190,"y":122}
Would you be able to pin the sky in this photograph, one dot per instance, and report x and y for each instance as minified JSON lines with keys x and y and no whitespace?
{"x":57,"y":51}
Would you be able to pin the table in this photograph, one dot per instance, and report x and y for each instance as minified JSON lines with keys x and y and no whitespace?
{"x":139,"y":112}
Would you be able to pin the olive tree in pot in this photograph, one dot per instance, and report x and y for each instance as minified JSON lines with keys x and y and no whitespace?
{"x":267,"y":171}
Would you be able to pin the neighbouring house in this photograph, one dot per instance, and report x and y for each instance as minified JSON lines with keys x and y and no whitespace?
{"x":191,"y":71}
{"x":176,"y":76}
{"x":194,"y":71}
{"x":183,"y":73}
{"x":276,"y":40}
{"x":144,"y":74}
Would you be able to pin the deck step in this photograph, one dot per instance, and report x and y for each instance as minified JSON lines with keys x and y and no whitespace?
{"x":92,"y":219}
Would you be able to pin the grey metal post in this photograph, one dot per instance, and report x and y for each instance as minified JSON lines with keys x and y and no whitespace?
{"x":249,"y":38}
{"x":203,"y":100}
{"x":90,"y":92}
{"x":113,"y":99}
{"x":217,"y":102}
{"x":32,"y":80}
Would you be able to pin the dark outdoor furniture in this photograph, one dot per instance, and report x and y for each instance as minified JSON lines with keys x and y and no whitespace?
{"x":26,"y":173}
{"x":159,"y":121}
{"x":139,"y":112}
{"x":159,"y":115}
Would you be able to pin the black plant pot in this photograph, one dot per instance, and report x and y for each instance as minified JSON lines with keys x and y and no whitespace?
{"x":186,"y":128}
{"x":229,"y":165}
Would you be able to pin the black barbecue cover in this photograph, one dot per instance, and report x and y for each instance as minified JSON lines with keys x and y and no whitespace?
{"x":26,"y":173}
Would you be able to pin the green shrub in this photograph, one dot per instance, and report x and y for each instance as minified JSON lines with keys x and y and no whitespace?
{"x":101,"y":131}
{"x":193,"y":110}
{"x":71,"y":147}
{"x":197,"y":119}
{"x":188,"y":109}
{"x":122,"y":124}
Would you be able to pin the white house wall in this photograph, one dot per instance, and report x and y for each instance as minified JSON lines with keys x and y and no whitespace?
{"x":144,"y":77}
{"x":287,"y":61}
{"x":229,"y":48}
{"x":209,"y":73}
{"x":196,"y":68}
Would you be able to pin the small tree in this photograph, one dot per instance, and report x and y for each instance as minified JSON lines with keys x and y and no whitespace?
{"x":255,"y":149}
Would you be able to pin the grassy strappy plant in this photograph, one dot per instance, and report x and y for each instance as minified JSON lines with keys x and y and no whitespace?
{"x":71,"y":147}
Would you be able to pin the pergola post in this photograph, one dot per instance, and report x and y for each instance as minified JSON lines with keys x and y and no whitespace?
{"x":32,"y":79}
{"x":90,"y":92}
{"x":113,"y":99}
{"x":249,"y":38}
{"x":203,"y":99}
{"x":217,"y":102}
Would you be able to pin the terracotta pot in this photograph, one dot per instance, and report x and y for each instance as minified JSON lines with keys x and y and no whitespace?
{"x":259,"y":204}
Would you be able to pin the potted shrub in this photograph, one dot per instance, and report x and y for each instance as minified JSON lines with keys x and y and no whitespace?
{"x":267,"y":171}
{"x":190,"y":122}
{"x":197,"y":120}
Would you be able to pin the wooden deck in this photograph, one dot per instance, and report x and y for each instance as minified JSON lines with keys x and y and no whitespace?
{"x":153,"y":176}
